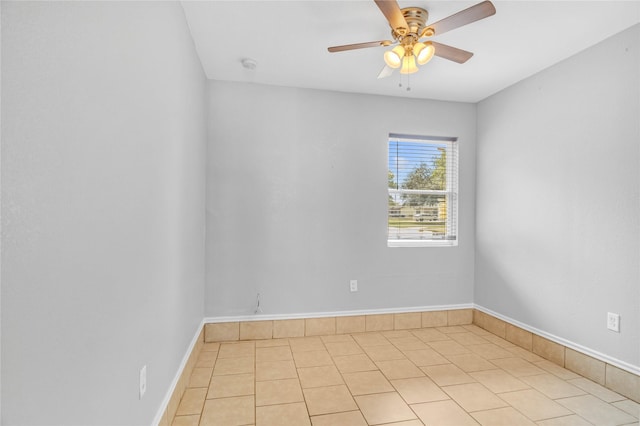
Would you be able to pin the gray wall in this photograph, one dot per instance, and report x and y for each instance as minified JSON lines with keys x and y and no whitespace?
{"x":558,"y":210}
{"x":297,"y":199}
{"x":103,"y":159}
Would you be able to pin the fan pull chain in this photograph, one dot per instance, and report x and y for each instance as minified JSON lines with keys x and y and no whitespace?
{"x":408,"y":78}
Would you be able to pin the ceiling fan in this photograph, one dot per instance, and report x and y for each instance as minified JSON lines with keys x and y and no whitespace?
{"x":409,"y":26}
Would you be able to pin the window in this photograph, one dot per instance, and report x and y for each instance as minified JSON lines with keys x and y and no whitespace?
{"x":423,"y":191}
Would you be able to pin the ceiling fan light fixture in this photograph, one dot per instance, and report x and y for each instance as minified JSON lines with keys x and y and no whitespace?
{"x":424,"y":52}
{"x":409,"y":65}
{"x":394,"y":57}
{"x":408,"y":26}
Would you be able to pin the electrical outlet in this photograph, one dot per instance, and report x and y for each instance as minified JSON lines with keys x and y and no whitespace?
{"x":353,"y":285}
{"x":143,"y":381}
{"x":613,"y":322}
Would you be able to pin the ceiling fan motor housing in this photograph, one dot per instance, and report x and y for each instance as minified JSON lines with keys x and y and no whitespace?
{"x":416,"y":18}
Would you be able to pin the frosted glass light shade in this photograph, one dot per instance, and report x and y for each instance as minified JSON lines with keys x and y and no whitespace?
{"x":393,"y":57}
{"x":424,"y":52}
{"x":408,"y":65}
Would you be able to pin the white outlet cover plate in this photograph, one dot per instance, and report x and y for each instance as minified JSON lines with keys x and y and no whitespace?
{"x":613,"y":322}
{"x":353,"y":285}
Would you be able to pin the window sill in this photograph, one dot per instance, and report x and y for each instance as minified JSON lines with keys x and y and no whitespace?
{"x":421,"y":243}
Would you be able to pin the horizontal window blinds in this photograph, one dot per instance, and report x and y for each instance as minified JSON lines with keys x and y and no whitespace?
{"x":423,"y":190}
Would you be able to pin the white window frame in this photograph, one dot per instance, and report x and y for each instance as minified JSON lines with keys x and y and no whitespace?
{"x":451,"y":193}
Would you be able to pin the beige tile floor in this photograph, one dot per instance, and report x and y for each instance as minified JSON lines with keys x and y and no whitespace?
{"x":458,"y":375}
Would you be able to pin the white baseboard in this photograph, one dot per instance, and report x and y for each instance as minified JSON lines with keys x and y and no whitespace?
{"x":275,"y":317}
{"x":174,"y":383}
{"x":569,"y":344}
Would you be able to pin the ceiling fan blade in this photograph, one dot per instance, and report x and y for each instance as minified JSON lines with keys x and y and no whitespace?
{"x":392,"y":12}
{"x":464,"y":17}
{"x":451,"y":53}
{"x":386,"y":72}
{"x":359,"y":45}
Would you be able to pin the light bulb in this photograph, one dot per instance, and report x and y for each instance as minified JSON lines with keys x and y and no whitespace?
{"x":424,"y":52}
{"x":408,"y":65}
{"x":393,"y":57}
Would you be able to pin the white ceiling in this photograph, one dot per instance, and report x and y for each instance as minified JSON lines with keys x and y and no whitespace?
{"x":289,"y":41}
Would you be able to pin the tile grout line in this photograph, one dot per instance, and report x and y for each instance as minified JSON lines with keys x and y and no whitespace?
{"x":304,"y":397}
{"x":342,"y":376}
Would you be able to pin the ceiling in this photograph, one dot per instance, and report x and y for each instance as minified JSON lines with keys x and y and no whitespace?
{"x":289,"y":40}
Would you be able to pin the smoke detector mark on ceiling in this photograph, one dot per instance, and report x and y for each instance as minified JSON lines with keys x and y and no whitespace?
{"x":249,"y":64}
